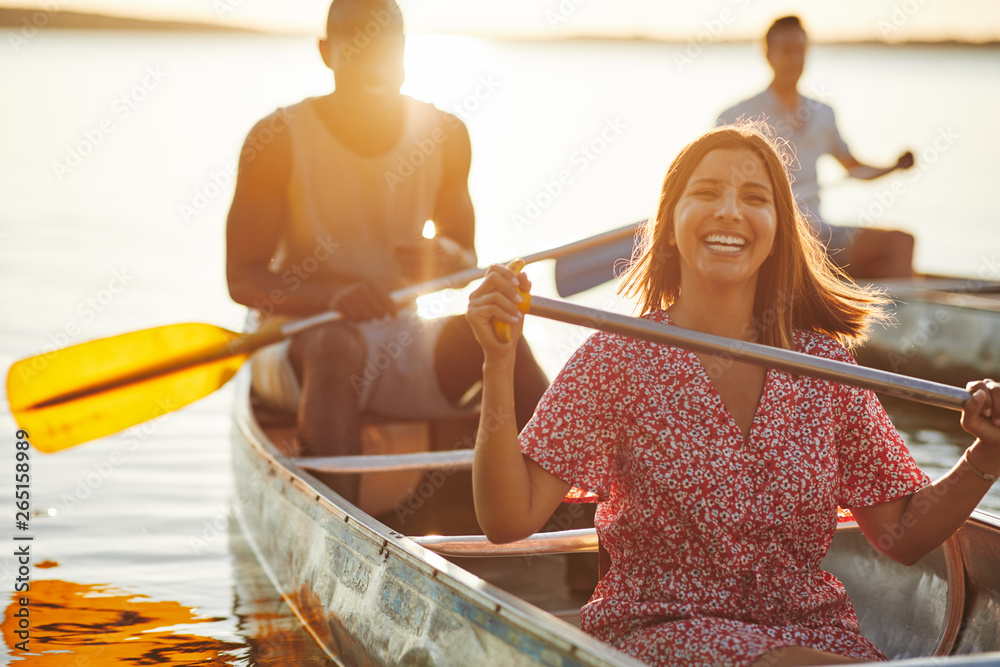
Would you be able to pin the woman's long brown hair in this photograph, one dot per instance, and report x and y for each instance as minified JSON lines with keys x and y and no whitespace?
{"x":798,"y":287}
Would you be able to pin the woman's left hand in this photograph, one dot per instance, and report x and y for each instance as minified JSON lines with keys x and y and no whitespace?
{"x":981,"y":414}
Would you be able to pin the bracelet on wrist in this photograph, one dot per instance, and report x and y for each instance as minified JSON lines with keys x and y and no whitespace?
{"x":988,"y":477}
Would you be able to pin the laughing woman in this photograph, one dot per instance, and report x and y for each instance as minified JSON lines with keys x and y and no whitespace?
{"x":718,"y":481}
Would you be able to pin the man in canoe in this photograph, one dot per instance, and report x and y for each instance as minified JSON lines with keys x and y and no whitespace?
{"x":332,"y":197}
{"x":809,"y":125}
{"x":719,"y":482}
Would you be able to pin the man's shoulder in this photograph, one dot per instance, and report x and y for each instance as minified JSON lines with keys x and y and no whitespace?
{"x":432,"y":113}
{"x":751,"y":107}
{"x":284,"y":116}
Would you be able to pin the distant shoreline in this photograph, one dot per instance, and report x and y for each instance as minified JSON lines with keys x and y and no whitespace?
{"x":683,"y":42}
{"x":38,"y":18}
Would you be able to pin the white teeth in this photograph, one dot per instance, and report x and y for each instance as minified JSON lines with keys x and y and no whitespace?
{"x":725,"y":243}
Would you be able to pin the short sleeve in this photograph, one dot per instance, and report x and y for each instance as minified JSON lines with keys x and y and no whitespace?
{"x":874,"y":464}
{"x":580,"y":417}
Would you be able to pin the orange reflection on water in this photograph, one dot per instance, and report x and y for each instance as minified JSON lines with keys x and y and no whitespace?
{"x":97,"y":624}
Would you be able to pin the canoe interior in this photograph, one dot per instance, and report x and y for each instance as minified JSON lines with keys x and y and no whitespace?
{"x":947,"y":604}
{"x":440,"y":503}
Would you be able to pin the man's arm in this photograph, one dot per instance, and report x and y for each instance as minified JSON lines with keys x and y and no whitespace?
{"x":857,"y":169}
{"x":453,"y":247}
{"x":256,"y":218}
{"x":454,"y":217}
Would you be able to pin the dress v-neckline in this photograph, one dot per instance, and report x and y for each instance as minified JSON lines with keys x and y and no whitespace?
{"x":746,"y":440}
{"x":735,"y":427}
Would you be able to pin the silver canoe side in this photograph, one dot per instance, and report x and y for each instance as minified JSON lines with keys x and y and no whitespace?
{"x":373,"y":597}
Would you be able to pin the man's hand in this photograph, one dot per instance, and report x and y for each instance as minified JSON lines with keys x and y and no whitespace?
{"x":905,"y":161}
{"x":362,"y":301}
{"x":426,"y":259}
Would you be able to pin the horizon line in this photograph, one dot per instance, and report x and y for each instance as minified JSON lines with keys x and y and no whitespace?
{"x":15,"y":17}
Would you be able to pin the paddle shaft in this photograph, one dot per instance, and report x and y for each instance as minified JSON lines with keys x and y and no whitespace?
{"x":461,"y":279}
{"x":892,"y":384}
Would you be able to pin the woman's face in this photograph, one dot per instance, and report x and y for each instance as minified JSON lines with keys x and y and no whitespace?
{"x":725,"y":220}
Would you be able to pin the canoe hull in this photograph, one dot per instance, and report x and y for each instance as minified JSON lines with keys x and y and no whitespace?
{"x":370,"y":595}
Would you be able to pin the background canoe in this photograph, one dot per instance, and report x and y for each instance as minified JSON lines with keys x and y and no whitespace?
{"x":946,"y":330}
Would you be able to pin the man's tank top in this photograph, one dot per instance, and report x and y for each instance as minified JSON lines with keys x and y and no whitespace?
{"x":347,"y":211}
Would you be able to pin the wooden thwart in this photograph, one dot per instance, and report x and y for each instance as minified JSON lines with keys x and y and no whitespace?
{"x":457,"y":459}
{"x":583,"y":540}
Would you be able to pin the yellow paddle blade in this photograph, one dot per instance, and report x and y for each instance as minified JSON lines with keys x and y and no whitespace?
{"x":93,"y":389}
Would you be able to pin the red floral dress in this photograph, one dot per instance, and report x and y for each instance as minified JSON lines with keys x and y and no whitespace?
{"x":716,"y":542}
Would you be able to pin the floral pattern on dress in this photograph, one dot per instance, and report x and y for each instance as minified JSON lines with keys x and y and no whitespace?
{"x":715,"y":540}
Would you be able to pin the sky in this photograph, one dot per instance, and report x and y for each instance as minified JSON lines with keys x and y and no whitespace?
{"x":680,"y":20}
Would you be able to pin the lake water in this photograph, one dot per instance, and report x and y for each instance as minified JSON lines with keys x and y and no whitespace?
{"x":117,"y":175}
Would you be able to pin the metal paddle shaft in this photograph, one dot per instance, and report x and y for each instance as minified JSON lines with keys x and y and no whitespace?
{"x":576,"y":251}
{"x":900,"y":386}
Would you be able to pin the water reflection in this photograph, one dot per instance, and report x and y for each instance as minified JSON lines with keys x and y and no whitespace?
{"x":75,"y":623}
{"x":99,"y":624}
{"x":273,"y":634}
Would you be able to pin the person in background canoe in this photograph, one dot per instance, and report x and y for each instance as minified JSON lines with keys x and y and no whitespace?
{"x":809,"y":125}
{"x":719,"y":482}
{"x":332,"y":196}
